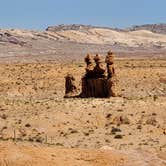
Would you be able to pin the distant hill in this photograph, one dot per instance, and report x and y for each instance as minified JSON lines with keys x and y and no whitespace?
{"x":74,"y":41}
{"x":76,"y":27}
{"x":141,"y":37}
{"x":156,"y":28}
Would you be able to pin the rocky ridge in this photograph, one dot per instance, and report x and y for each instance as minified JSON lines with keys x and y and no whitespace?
{"x":156,"y":28}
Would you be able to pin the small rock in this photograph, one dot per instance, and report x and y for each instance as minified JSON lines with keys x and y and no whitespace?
{"x":27,"y":125}
{"x":151,"y":121}
{"x":86,"y":133}
{"x":155,"y":97}
{"x":118,"y":120}
{"x":114,"y":130}
{"x":3,"y":116}
{"x":139,"y":127}
{"x":108,"y":116}
{"x":118,"y":136}
{"x":73,"y":131}
{"x":119,"y":110}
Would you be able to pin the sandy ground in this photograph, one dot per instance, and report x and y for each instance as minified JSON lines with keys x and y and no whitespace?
{"x":32,"y":109}
{"x":37,"y":155}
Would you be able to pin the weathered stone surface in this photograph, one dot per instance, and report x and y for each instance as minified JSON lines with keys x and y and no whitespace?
{"x":70,"y":87}
{"x":94,"y":87}
{"x":109,"y":58}
{"x":95,"y":83}
{"x":111,"y":87}
{"x":9,"y":38}
{"x":111,"y":83}
{"x":110,"y":71}
{"x":89,"y":68}
{"x":99,"y":69}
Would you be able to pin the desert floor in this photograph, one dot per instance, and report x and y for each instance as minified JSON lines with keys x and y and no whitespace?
{"x":33,"y":110}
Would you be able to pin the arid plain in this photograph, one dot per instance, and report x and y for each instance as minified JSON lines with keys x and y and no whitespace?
{"x":39,"y":126}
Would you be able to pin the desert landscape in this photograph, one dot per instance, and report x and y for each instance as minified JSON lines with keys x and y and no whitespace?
{"x":39,"y":126}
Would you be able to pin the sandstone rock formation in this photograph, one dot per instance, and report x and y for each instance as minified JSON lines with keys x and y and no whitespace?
{"x":94,"y":87}
{"x":97,"y":84}
{"x":99,"y":70}
{"x":94,"y":83}
{"x":111,"y":82}
{"x":89,"y":67}
{"x":70,"y":87}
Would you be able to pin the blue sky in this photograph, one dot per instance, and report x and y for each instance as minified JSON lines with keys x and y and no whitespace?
{"x":38,"y":14}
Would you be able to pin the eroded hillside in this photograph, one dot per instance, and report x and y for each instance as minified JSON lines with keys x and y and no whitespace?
{"x":73,"y":42}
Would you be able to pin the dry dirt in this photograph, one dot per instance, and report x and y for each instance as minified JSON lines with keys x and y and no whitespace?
{"x":34,"y":113}
{"x":37,"y":155}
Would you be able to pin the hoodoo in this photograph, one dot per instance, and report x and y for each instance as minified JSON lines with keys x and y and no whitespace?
{"x":98,"y":81}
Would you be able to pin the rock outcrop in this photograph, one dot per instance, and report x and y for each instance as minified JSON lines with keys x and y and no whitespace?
{"x":99,"y":70}
{"x":111,"y":82}
{"x":89,"y":66}
{"x":94,"y":87}
{"x":70,"y":87}
{"x":9,"y":38}
{"x":155,"y":28}
{"x":95,"y":82}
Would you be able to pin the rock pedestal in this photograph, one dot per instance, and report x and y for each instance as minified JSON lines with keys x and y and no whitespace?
{"x":111,"y":77}
{"x":70,"y":87}
{"x":111,"y":87}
